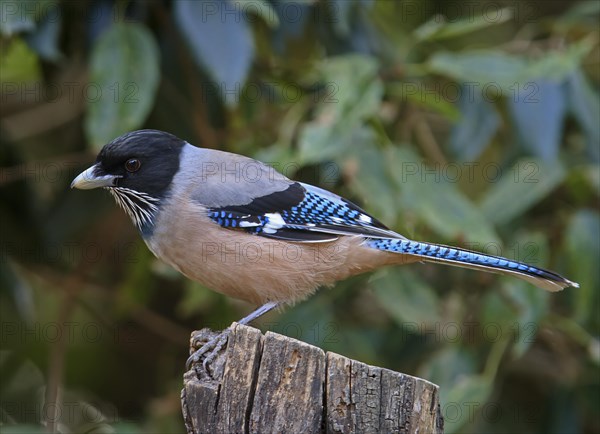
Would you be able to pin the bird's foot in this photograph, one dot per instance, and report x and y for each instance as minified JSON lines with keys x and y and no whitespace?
{"x":211,"y":343}
{"x":208,"y":352}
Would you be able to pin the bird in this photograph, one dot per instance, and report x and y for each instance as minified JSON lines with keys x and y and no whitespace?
{"x":239,"y":227}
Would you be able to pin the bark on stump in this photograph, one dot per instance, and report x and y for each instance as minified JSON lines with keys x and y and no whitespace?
{"x":275,"y":384}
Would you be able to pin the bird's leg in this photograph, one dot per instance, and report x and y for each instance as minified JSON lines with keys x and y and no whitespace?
{"x":267,"y":307}
{"x":213,"y":346}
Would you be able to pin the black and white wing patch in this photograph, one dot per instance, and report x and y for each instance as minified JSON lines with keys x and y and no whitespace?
{"x":301,"y":213}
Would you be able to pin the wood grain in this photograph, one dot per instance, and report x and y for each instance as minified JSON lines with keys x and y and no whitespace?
{"x":274,"y":384}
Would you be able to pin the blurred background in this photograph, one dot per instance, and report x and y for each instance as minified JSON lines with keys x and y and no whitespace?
{"x":473,"y":123}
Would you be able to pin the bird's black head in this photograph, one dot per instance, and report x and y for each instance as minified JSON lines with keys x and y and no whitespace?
{"x":137,"y":168}
{"x":144,"y":161}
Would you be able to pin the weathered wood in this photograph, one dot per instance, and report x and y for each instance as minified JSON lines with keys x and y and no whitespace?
{"x":272,"y":383}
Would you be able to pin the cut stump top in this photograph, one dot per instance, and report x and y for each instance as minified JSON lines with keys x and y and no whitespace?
{"x":275,"y":384}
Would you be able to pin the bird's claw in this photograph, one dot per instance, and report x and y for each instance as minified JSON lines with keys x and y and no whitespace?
{"x":210,"y":350}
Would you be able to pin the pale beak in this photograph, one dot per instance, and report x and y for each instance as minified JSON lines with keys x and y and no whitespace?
{"x":90,"y":178}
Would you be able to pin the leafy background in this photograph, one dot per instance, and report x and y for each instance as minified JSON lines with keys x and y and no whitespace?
{"x":466,"y":123}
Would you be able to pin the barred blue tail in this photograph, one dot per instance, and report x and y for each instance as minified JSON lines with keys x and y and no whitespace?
{"x":468,"y":259}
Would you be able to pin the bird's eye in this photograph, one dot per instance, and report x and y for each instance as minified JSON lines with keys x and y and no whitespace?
{"x":132,"y":165}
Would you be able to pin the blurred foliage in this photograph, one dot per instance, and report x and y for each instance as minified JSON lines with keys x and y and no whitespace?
{"x":468,"y":123}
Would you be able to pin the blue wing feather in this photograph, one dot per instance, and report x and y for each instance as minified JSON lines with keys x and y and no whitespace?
{"x":301,"y":213}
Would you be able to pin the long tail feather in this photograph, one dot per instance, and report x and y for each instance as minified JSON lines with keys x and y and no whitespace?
{"x":468,"y":259}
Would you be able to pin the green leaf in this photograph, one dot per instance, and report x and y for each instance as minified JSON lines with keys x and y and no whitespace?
{"x":22,"y":382}
{"x":447,"y":366}
{"x":547,"y":107}
{"x":18,"y":16}
{"x":478,"y":68}
{"x":437,"y":28}
{"x":476,"y":128}
{"x":436,"y":200}
{"x":583,"y":251}
{"x":493,"y":71}
{"x":519,"y":307}
{"x":138,"y":285}
{"x":532,"y":303}
{"x":497,"y":311}
{"x":406,"y":297}
{"x":584,"y":104}
{"x":591,"y":173}
{"x":45,"y":38}
{"x":124,"y":78}
{"x":196,"y":298}
{"x":344,"y":15}
{"x":463,"y":402}
{"x":352,"y":94}
{"x":309,"y":322}
{"x":18,"y":288}
{"x":558,"y":65}
{"x":318,"y":142}
{"x":417,"y":93}
{"x":279,"y":156}
{"x":520,"y":188}
{"x":264,"y":10}
{"x":365,"y":166}
{"x":353,"y":89}
{"x":220,"y":40}
{"x":341,"y":11}
{"x":18,"y":64}
{"x":582,"y":10}
{"x":515,"y":314}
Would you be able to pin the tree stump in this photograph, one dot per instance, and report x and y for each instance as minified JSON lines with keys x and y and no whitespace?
{"x":275,"y":384}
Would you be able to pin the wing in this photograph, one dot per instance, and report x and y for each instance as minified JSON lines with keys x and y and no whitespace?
{"x":301,"y":213}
